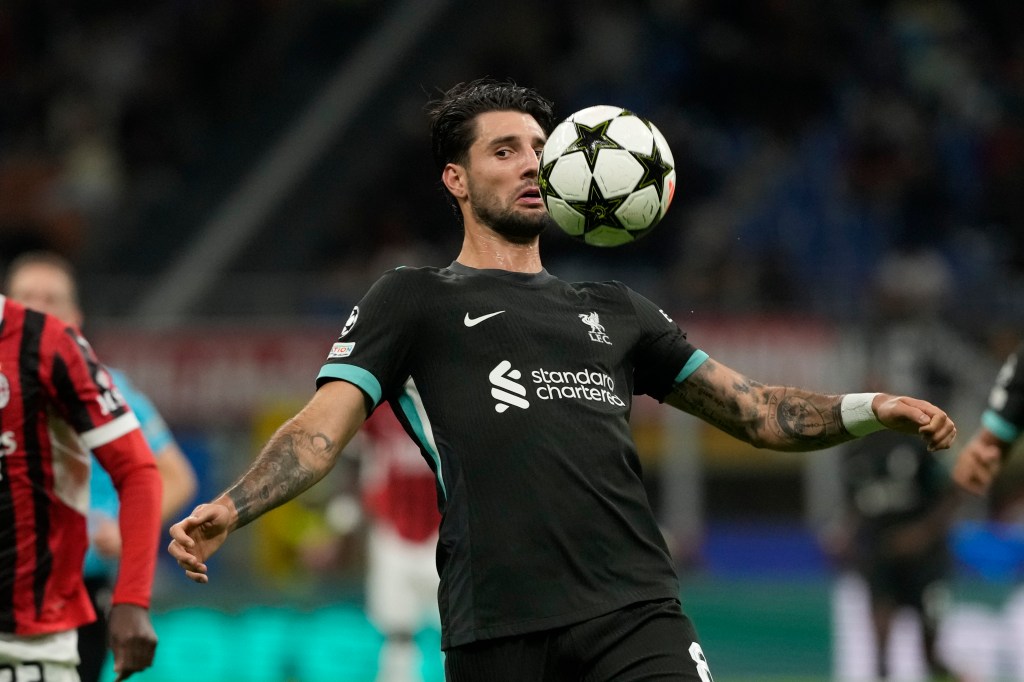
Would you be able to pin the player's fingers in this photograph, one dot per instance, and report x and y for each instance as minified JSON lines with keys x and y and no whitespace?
{"x":180,"y":533}
{"x":913,"y":409}
{"x":939,"y":431}
{"x":989,"y":463}
{"x":988,"y":455}
{"x":181,"y":553}
{"x":202,"y":517}
{"x":133,"y":657}
{"x":123,"y":672}
{"x":200,"y":578}
{"x":194,"y":569}
{"x":978,"y":481}
{"x":906,"y":414}
{"x":971,"y":472}
{"x":192,"y":566}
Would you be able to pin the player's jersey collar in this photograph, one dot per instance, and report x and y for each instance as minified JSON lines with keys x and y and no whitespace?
{"x":529,"y":278}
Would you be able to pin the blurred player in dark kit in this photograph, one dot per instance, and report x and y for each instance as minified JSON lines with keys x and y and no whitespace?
{"x":901,"y":504}
{"x":1002,"y":423}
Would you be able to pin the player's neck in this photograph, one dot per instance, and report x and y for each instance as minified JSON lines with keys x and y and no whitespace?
{"x":490,"y":251}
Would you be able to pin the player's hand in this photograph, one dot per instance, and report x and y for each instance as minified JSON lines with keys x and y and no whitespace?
{"x":198,"y":536}
{"x":132,"y":639}
{"x":910,"y":415}
{"x":978,"y":463}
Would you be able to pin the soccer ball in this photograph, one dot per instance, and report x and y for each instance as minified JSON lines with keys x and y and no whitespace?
{"x":607,"y":176}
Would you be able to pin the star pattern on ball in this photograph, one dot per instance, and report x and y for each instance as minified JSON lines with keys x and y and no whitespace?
{"x":597,"y":210}
{"x":591,"y":140}
{"x":656,"y":169}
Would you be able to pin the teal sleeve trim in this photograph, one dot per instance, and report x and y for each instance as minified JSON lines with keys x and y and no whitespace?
{"x":354,"y":375}
{"x":412,"y":409}
{"x":695,"y":361}
{"x":1000,"y":428}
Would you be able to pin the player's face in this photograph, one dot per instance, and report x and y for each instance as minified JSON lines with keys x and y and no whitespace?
{"x":46,"y":288}
{"x":502,"y":172}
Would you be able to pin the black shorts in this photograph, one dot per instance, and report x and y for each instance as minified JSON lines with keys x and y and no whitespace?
{"x":646,"y":641}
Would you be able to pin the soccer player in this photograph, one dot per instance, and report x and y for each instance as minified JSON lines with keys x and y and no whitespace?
{"x":1002,"y":423}
{"x":45,"y":281}
{"x":902,"y":504}
{"x":51,"y":384}
{"x":517,"y":387}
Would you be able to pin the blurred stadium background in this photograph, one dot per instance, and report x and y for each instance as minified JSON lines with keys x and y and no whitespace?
{"x":230,"y":176}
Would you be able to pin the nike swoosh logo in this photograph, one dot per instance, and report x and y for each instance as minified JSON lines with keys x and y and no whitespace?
{"x":474,"y":321}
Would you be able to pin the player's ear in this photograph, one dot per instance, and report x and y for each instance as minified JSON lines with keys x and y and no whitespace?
{"x":454,"y":178}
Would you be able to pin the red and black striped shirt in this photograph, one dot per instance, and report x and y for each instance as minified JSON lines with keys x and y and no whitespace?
{"x":57,"y":402}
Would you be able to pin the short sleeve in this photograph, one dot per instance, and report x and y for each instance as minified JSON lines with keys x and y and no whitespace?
{"x":663,"y":355}
{"x":373,"y":348}
{"x":84,"y":392}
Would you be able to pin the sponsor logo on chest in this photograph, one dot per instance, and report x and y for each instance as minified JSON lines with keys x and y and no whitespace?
{"x":510,"y":389}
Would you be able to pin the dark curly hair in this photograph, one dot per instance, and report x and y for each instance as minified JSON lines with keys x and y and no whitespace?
{"x":452,"y":115}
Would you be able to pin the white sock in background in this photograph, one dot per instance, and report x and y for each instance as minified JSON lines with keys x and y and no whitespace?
{"x":399,"y":662}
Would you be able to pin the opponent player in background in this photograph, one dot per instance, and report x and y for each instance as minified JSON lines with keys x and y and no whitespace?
{"x":1002,"y":423}
{"x":51,"y":383}
{"x":517,"y":388}
{"x":45,"y":281}
{"x":900,"y":505}
{"x":399,"y":497}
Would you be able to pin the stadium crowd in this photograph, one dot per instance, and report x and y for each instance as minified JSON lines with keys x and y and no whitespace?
{"x":815,"y":146}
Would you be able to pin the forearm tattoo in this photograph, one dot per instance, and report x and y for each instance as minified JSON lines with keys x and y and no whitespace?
{"x":768,"y":416}
{"x":797,"y":416}
{"x":290,"y":463}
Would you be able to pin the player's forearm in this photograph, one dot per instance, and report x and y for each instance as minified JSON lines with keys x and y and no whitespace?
{"x":139,"y":524}
{"x":796,"y":420}
{"x":774,"y":417}
{"x":132,"y":469}
{"x":293,"y":460}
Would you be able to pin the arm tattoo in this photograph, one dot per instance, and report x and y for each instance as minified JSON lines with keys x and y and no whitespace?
{"x":290,"y":463}
{"x":804,"y":419}
{"x":730,"y":411}
{"x":775,"y":417}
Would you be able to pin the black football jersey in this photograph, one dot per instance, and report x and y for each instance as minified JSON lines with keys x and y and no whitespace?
{"x":517,"y":389}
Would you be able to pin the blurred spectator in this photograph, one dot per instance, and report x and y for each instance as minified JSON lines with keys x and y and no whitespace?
{"x":824,"y":139}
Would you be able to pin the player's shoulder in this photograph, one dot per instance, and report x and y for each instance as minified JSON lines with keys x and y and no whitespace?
{"x":404,"y":275}
{"x":600,"y":285}
{"x":604,"y":289}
